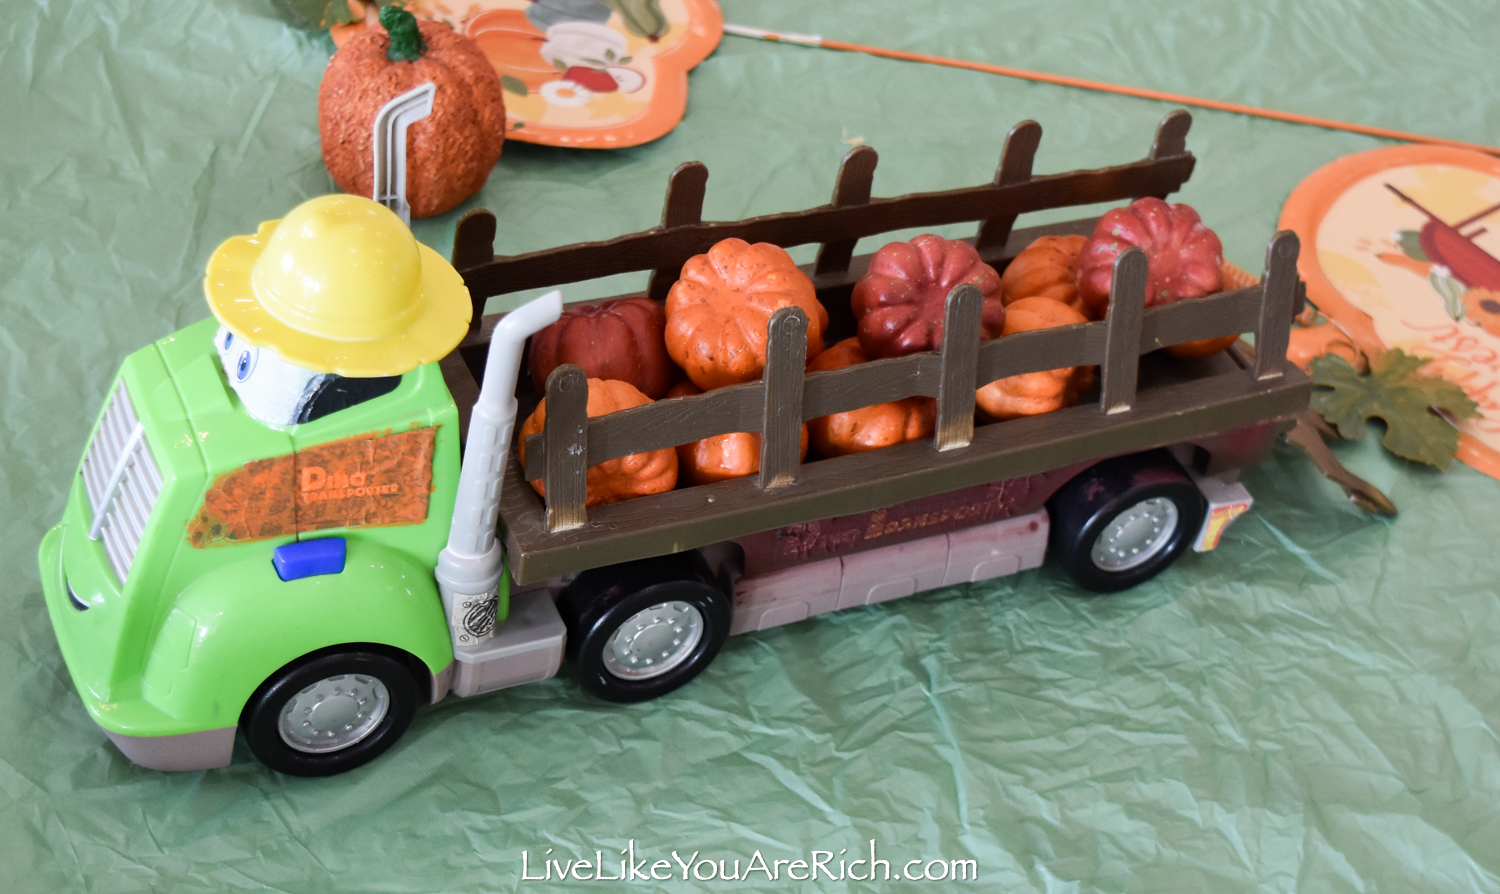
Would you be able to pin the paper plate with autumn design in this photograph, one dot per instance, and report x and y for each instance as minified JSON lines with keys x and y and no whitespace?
{"x":589,"y":74}
{"x":1401,"y":248}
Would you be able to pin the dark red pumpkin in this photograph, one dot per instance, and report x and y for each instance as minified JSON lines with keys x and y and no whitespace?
{"x":1186,"y":258}
{"x":619,"y":339}
{"x":899,"y":302}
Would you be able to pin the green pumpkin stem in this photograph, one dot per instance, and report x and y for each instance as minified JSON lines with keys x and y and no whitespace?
{"x":406,"y":40}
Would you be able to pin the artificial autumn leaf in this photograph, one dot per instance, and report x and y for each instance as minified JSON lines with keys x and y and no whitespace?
{"x":1396,"y":393}
{"x":316,"y":14}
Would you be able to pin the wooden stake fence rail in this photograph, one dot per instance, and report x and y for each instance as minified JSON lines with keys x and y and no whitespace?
{"x":777,"y":406}
{"x":852,"y":215}
{"x":787,"y":396}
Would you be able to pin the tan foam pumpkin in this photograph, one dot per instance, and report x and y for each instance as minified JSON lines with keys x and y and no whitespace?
{"x":1040,"y":392}
{"x":1048,"y":267}
{"x":627,"y":477}
{"x":718,"y":311}
{"x":872,"y":427}
{"x":720,"y":457}
{"x":449,"y":154}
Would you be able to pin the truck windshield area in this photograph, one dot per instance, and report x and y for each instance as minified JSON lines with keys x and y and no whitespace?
{"x":336,"y":393}
{"x":277,"y":392}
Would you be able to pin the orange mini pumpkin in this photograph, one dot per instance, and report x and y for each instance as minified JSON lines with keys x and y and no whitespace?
{"x":872,"y":427}
{"x":720,"y":457}
{"x":449,"y":154}
{"x":627,"y":477}
{"x":1040,"y":392}
{"x":1048,"y":268}
{"x":1234,"y":278}
{"x":718,"y":311}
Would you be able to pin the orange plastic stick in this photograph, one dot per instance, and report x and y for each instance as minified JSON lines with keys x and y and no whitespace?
{"x":813,"y":40}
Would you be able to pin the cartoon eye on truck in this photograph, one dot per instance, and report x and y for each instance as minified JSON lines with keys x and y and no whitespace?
{"x":289,"y":521}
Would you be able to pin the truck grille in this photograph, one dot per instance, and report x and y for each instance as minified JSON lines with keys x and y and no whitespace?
{"x":122,"y":481}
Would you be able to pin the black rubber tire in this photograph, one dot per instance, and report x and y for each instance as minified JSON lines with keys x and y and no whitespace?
{"x":1082,"y":509}
{"x":598,"y":601}
{"x":259,"y":721}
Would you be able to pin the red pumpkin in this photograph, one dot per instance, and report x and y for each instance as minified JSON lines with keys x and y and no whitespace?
{"x":449,"y":154}
{"x":721,"y":457}
{"x":619,"y":339}
{"x":872,"y":427}
{"x":899,"y":302}
{"x":718,"y":311}
{"x":624,"y":478}
{"x":1185,"y":257}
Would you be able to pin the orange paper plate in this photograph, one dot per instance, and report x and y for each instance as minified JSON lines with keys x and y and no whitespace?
{"x":589,"y":74}
{"x":1419,"y":273}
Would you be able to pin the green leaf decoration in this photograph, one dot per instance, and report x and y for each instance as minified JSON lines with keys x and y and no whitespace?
{"x":315,"y":14}
{"x":513,"y":84}
{"x":642,"y":18}
{"x":1411,"y":245}
{"x":1398,"y":395}
{"x":1451,"y":290}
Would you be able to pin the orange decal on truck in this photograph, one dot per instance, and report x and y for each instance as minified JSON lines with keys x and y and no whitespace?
{"x":382,"y":479}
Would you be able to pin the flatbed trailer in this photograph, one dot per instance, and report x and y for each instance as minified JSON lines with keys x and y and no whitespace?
{"x":780,"y":543}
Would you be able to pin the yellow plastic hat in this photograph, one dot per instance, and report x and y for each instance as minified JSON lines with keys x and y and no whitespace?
{"x":339,"y":285}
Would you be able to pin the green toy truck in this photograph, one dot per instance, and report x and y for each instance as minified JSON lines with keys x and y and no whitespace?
{"x":311,"y":581}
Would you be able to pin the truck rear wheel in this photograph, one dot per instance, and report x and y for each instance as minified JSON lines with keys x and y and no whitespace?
{"x":1123,"y":521}
{"x":642,"y":629}
{"x":330,"y":712}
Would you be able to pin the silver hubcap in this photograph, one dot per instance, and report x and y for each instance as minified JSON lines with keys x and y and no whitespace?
{"x":1136,"y":535}
{"x":334,"y":713}
{"x":653,"y":641}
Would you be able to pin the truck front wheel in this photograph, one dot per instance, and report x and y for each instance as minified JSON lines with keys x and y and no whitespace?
{"x":642,"y":629}
{"x":1123,"y":521}
{"x":330,"y":712}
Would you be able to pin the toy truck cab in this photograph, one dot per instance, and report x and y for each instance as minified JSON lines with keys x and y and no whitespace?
{"x":162,"y":578}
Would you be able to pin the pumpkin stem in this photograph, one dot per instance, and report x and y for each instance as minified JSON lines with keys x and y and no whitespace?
{"x":406,"y":40}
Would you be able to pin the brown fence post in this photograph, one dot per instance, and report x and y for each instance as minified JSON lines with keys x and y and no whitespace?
{"x":1171,"y":138}
{"x":960,"y":368}
{"x":856,"y":174}
{"x":1171,"y":135}
{"x":1122,"y":334}
{"x":566,"y":431}
{"x":683,"y":208}
{"x":1015,"y":167}
{"x":1277,"y":305}
{"x":781,"y":423}
{"x":473,"y":245}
